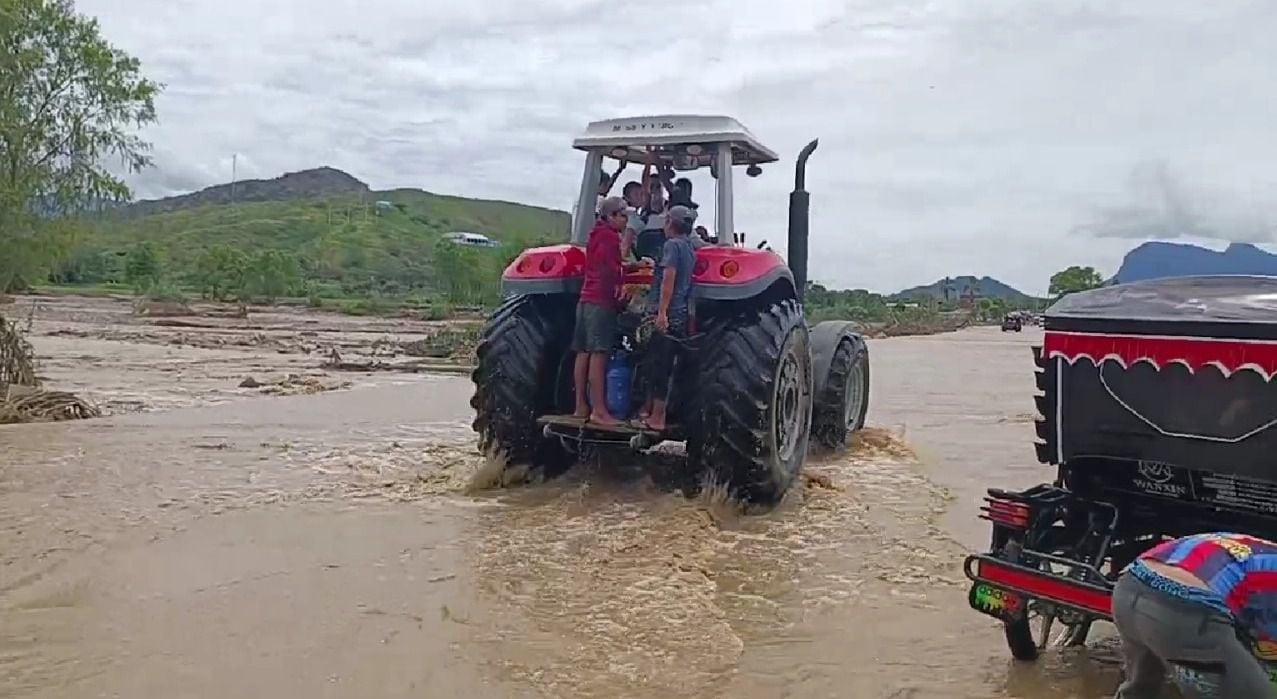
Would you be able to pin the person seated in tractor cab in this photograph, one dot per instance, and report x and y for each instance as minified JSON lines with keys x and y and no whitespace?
{"x":595,"y":333}
{"x":1202,"y":608}
{"x":669,"y":299}
{"x":606,"y":182}
{"x":699,"y":238}
{"x":648,"y":223}
{"x":681,"y":194}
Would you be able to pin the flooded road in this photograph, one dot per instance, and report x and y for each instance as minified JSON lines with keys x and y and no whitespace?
{"x":331,"y":545}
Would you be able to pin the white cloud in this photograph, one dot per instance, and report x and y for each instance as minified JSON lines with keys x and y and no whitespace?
{"x":966,"y":137}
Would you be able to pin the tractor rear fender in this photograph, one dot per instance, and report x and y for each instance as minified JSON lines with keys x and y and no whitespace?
{"x":721,"y":273}
{"x":728,"y":273}
{"x":553,"y":269}
{"x":825,"y":338}
{"x":747,"y":290}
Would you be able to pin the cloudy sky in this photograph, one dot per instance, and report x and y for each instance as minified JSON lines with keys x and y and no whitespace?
{"x":1002,"y":137}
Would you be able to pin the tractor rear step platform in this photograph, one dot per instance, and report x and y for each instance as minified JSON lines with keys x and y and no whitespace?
{"x":625,"y":434}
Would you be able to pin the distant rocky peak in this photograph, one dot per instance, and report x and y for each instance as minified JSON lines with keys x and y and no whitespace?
{"x":1156,"y":259}
{"x":304,"y":184}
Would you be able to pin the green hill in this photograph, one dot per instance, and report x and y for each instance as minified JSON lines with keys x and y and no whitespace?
{"x":325,"y":226}
{"x":954,"y":288}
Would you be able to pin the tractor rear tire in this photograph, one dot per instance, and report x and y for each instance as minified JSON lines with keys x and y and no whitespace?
{"x":751,"y":423}
{"x":518,"y":377}
{"x":842,"y":406}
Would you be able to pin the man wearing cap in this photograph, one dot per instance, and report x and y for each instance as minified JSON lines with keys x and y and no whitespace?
{"x":594,"y":335}
{"x":670,"y":297}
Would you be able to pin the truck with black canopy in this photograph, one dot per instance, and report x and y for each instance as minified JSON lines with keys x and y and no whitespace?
{"x":1157,"y":410}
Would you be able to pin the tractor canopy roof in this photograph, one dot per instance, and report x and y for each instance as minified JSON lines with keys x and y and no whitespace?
{"x":685,"y":140}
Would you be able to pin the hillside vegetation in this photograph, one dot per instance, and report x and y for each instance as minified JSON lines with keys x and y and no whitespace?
{"x":322,"y":235}
{"x":308,"y":244}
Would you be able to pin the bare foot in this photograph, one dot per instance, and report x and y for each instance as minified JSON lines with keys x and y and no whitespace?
{"x":604,"y":419}
{"x":654,"y":425}
{"x":582,"y":412}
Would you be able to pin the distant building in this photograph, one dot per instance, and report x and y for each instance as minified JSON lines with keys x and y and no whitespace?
{"x":385,"y":205}
{"x":474,"y":239}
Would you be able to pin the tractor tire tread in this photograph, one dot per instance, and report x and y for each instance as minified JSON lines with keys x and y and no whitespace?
{"x":521,"y":337}
{"x":734,"y":394}
{"x":830,"y":426}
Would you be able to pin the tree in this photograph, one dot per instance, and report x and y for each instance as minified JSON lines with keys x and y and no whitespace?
{"x":69,"y":101}
{"x":85,"y":266}
{"x":991,"y":308}
{"x":220,"y":272}
{"x":1073,"y":279}
{"x":143,"y":268}
{"x":272,"y":274}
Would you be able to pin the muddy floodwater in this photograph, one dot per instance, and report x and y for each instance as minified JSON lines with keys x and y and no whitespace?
{"x":210,"y":540}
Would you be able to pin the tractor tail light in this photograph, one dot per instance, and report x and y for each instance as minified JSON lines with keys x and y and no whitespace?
{"x":522,"y":266}
{"x":729,"y":269}
{"x":547,"y":264}
{"x":700,"y":267}
{"x":1008,"y":513}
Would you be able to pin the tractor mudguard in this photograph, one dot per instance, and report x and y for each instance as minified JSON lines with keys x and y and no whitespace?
{"x":722,"y":273}
{"x":726,"y":273}
{"x":553,"y":269}
{"x":825,"y":338}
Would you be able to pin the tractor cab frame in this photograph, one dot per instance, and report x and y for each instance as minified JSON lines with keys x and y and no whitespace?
{"x":685,"y":143}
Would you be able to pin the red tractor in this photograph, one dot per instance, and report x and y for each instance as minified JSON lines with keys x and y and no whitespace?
{"x":756,"y":382}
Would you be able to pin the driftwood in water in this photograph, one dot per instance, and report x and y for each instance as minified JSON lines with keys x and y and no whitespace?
{"x":21,"y":399}
{"x":17,"y":362}
{"x":336,"y":363}
{"x":44,"y":406}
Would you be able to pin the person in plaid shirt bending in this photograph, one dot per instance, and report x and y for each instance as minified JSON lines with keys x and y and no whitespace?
{"x":1202,"y":609}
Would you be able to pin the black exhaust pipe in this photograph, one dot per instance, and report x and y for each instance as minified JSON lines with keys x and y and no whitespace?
{"x":799,"y":223}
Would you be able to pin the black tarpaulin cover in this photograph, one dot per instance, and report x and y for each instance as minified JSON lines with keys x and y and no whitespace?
{"x":1177,"y":371}
{"x":1222,"y":299}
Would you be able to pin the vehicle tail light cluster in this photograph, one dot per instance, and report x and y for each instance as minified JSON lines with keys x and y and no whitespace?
{"x":1008,"y":513}
{"x":544,"y":263}
{"x":1040,"y":584}
{"x":701,"y":266}
{"x":729,"y":269}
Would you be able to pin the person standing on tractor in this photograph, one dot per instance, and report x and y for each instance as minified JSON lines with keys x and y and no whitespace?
{"x":670,"y":297}
{"x":635,"y":199}
{"x":1202,"y":608}
{"x":646,"y":227}
{"x":649,"y":223}
{"x":594,"y":335}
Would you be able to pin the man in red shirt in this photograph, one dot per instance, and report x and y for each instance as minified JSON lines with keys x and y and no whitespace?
{"x":594,"y":336}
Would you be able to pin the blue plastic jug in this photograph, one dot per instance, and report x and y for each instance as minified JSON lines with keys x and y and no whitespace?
{"x":618,"y":385}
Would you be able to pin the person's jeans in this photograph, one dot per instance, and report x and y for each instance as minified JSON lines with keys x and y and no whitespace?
{"x":666,"y":347}
{"x":1195,"y":645}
